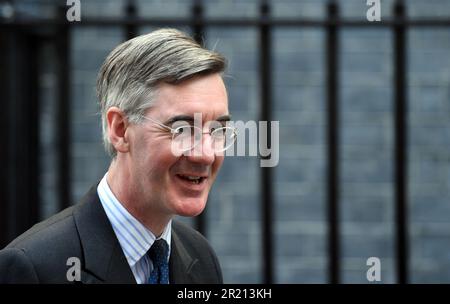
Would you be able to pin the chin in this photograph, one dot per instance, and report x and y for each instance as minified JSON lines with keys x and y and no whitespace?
{"x":190,"y":206}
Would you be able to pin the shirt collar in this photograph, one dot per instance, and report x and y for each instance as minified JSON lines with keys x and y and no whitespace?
{"x":134,"y":238}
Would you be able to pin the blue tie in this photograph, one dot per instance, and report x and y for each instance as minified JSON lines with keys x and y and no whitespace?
{"x":158,"y":254}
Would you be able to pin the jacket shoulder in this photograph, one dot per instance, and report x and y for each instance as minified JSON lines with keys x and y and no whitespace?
{"x":45,"y":229}
{"x":47,"y":246}
{"x":16,"y":268}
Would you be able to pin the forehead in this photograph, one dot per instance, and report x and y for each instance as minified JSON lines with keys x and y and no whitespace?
{"x":200,"y":94}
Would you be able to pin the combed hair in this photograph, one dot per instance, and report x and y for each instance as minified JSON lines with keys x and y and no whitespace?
{"x":129,"y":77}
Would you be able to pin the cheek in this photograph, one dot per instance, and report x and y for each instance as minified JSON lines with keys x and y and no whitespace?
{"x":162,"y":161}
{"x":154,"y":160}
{"x":217,"y":164}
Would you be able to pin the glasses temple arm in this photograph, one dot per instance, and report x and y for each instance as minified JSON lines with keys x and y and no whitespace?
{"x":158,"y":123}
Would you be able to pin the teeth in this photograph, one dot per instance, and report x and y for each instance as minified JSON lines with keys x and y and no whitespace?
{"x":193,"y":179}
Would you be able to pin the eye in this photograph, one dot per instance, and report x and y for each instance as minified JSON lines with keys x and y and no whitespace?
{"x":184,"y":131}
{"x":179,"y":131}
{"x":218,"y":133}
{"x":217,"y":127}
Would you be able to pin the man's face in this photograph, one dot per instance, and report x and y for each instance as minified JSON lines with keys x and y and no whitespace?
{"x":160,"y":178}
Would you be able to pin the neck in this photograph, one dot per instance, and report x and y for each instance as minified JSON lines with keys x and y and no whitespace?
{"x":126,"y":190}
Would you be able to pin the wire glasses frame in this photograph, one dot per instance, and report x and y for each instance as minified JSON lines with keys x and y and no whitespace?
{"x":186,"y":137}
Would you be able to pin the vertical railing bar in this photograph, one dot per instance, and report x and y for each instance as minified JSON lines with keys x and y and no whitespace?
{"x":130,"y":13}
{"x":23,"y":144}
{"x":266,"y":172}
{"x":15,"y":224}
{"x":63,"y":112}
{"x":198,"y":22}
{"x":401,"y":157}
{"x":198,"y":33}
{"x":6,"y":86}
{"x":333,"y":144}
{"x":33,"y":119}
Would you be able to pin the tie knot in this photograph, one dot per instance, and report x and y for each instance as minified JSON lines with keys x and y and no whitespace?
{"x":158,"y":252}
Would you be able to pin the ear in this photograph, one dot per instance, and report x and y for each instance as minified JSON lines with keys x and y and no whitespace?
{"x":117,"y":127}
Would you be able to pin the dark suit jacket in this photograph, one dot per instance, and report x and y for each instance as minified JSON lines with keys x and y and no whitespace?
{"x":84,"y":231}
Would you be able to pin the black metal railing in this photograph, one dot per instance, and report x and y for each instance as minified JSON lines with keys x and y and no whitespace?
{"x":333,"y":143}
{"x":13,"y":222}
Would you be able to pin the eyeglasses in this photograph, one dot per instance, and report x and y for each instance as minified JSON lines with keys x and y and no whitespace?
{"x":185,"y":137}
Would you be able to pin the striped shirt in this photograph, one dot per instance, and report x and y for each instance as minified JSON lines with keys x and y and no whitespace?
{"x":134,"y":238}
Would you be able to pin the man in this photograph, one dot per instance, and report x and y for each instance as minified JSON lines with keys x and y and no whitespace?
{"x":151,"y":90}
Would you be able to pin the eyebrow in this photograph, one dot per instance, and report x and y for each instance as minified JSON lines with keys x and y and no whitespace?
{"x":179,"y":118}
{"x":224,"y":118}
{"x":189,"y":118}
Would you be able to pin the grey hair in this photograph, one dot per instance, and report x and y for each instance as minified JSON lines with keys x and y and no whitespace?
{"x":129,"y":77}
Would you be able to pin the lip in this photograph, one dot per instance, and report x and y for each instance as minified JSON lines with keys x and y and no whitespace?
{"x":189,"y":186}
{"x":193,"y":174}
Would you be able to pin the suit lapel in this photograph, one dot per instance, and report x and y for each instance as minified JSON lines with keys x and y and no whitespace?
{"x":180,"y":263}
{"x":104,"y":261}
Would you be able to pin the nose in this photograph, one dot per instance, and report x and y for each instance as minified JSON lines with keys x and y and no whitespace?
{"x":203,"y":152}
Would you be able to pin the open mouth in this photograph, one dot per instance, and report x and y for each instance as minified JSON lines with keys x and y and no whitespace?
{"x":192,"y":179}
